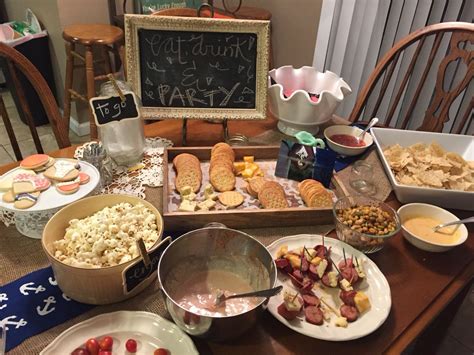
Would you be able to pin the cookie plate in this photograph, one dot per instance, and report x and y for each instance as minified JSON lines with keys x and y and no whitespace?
{"x":51,"y":198}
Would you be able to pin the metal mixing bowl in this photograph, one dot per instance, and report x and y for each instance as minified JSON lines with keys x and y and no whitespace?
{"x":253,"y":263}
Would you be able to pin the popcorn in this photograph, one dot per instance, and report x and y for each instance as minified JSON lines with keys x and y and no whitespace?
{"x":108,"y":237}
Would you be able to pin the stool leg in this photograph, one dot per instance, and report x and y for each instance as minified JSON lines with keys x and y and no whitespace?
{"x":90,"y":88}
{"x":121,"y":52}
{"x":68,"y":83}
{"x":106,"y":56}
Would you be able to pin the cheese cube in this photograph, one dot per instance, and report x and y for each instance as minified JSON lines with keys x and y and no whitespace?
{"x":360,"y":270}
{"x":281,"y":252}
{"x":294,"y":260}
{"x":190,"y":197}
{"x":249,"y":159}
{"x":185,"y":190}
{"x":341,"y":322}
{"x":209,"y":192}
{"x":322,"y":267}
{"x":361,"y":301}
{"x":345,"y":285}
{"x":332,"y":278}
{"x":239,"y":166}
{"x":187,"y":206}
{"x":247,"y":173}
{"x":292,"y":302}
{"x":309,"y":253}
{"x":316,"y":260}
{"x":206,"y":205}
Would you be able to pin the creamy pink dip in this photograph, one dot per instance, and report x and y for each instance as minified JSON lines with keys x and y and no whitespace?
{"x":198,"y":293}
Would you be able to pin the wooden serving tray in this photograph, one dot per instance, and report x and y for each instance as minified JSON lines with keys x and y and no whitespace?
{"x":248,"y":215}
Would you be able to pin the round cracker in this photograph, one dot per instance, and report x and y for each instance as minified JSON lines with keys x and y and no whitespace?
{"x":231,"y":198}
{"x":222,"y":179}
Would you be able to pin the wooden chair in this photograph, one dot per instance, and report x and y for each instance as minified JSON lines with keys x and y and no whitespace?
{"x":437,"y":113}
{"x":16,"y":63}
{"x":117,"y":19}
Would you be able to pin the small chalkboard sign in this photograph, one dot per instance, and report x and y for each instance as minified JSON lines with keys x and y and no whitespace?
{"x":108,"y":109}
{"x":138,"y":272}
{"x":202,"y":68}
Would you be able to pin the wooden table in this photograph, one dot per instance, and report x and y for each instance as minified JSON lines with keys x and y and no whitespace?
{"x":422,"y":284}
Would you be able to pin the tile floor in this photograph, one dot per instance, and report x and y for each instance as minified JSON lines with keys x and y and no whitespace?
{"x":23,"y":135}
{"x":457,"y":339}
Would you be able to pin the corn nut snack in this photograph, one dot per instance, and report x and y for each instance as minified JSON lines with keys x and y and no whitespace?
{"x":108,"y":237}
{"x":367,"y":219}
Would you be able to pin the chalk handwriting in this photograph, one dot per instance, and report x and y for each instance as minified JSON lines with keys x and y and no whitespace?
{"x":154,"y":66}
{"x":218,"y":67}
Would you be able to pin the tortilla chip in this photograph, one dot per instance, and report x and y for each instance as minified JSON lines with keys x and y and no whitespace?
{"x":430,"y":166}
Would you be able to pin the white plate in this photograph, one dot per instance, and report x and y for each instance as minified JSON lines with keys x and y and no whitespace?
{"x":461,"y":144}
{"x":51,"y":198}
{"x":378,"y":291}
{"x":149,"y":330}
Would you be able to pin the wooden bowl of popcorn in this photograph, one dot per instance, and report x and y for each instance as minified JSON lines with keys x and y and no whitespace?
{"x":92,"y":247}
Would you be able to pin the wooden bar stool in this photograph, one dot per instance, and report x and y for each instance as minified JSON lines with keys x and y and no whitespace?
{"x":108,"y":39}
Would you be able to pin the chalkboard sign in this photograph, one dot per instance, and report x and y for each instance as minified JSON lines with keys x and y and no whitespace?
{"x":111,"y":108}
{"x":198,"y":67}
{"x":138,"y":272}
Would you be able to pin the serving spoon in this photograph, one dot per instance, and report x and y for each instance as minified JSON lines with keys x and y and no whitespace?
{"x":372,"y":123}
{"x":442,"y":225}
{"x":220,"y":297}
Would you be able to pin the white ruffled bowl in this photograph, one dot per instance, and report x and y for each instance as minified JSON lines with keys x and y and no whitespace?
{"x":298,"y":112}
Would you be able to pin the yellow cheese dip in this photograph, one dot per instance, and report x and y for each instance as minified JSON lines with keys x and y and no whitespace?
{"x":422,"y":227}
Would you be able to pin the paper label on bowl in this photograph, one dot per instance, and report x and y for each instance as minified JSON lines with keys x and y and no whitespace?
{"x":136,"y":273}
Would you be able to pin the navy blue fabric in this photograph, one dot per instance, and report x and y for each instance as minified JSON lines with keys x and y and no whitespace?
{"x":33,"y":304}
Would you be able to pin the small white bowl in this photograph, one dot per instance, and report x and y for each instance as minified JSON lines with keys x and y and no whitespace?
{"x":412,"y":210}
{"x":352,"y":131}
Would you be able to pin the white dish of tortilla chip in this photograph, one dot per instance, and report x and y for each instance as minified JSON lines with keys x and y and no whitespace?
{"x":461,"y":144}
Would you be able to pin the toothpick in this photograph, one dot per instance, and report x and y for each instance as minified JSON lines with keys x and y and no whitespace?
{"x":336,"y":267}
{"x":344,"y":253}
{"x":116,"y":87}
{"x":330,"y":308}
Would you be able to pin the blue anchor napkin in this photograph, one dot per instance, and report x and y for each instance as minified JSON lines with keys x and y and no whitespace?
{"x":33,"y":304}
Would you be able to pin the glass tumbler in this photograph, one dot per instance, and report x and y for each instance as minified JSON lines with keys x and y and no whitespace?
{"x":123,"y":140}
{"x":361,"y":178}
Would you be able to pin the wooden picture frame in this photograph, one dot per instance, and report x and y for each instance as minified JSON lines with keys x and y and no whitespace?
{"x":135,"y":23}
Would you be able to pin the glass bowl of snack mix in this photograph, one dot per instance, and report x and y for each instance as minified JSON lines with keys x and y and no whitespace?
{"x":365,"y":223}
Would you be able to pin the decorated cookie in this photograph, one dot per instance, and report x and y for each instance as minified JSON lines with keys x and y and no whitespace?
{"x":22,"y":183}
{"x":8,"y":197}
{"x":83,"y":178}
{"x":62,"y":170}
{"x":25,"y":183}
{"x":7,"y":182}
{"x":26,"y":200}
{"x":34,"y":161}
{"x":68,"y":187}
{"x":48,"y":164}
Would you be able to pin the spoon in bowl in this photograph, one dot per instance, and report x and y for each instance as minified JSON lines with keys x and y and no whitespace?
{"x":221,"y":297}
{"x":442,"y":225}
{"x":372,"y":123}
